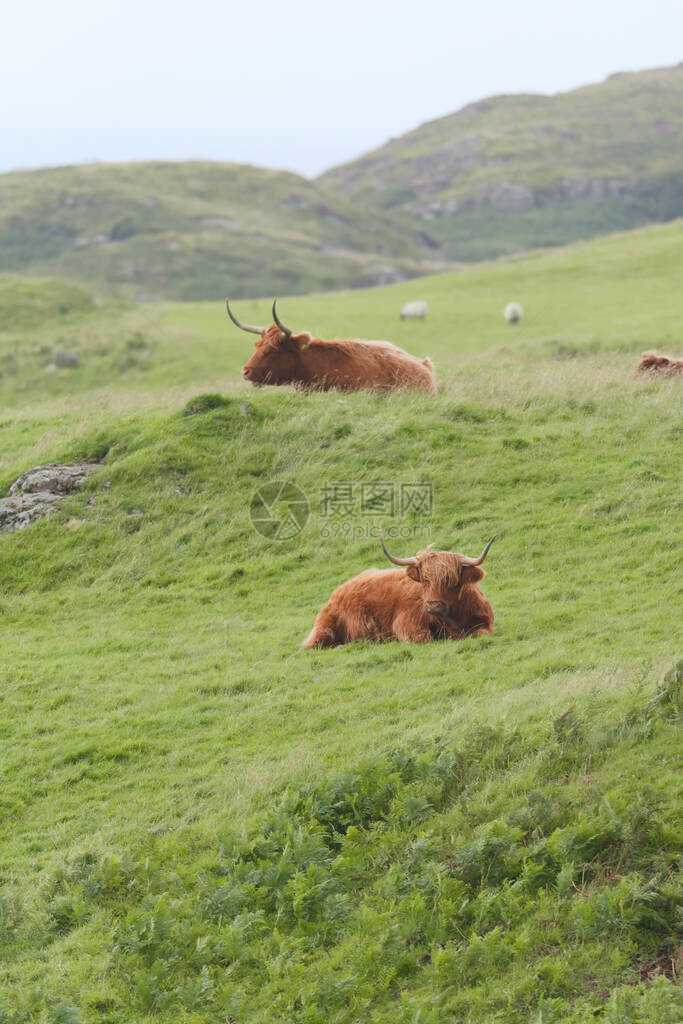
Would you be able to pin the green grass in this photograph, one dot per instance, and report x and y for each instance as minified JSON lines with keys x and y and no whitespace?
{"x":201,"y":822}
{"x":26,"y":303}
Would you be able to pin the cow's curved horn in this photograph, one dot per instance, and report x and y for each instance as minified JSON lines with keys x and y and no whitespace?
{"x":482,"y":556}
{"x":238,"y":323}
{"x":285,"y":330}
{"x":397,"y":561}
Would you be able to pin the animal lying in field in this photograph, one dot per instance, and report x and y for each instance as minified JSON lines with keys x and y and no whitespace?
{"x":282,"y":357}
{"x":650,"y":362}
{"x":416,"y":310}
{"x":513,"y":312}
{"x":436,"y":596}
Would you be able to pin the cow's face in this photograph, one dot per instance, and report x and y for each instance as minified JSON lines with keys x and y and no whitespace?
{"x":276,"y":358}
{"x":442,"y":574}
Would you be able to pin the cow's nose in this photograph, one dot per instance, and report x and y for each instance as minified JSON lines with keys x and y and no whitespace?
{"x":245,"y":372}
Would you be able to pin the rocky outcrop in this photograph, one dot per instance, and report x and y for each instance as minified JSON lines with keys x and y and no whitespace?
{"x":510,"y":196}
{"x":229,"y":223}
{"x":63,"y":361}
{"x":439,"y":208}
{"x":38,"y":491}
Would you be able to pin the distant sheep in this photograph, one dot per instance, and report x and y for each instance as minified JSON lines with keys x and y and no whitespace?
{"x":417,"y":310}
{"x":651,"y":363}
{"x":513,"y":312}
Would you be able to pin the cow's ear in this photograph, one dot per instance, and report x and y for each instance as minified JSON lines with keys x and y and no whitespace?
{"x":472,"y":573}
{"x":301,"y":341}
{"x":414,"y":572}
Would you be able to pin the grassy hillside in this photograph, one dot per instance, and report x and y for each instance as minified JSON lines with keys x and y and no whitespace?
{"x":520,"y":171}
{"x":503,"y":175}
{"x":202,"y":822}
{"x":195,"y":230}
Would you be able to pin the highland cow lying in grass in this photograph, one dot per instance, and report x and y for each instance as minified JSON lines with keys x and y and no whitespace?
{"x":435,"y":597}
{"x":650,"y":362}
{"x":282,"y":357}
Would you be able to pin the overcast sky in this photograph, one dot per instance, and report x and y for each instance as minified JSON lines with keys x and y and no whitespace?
{"x":299,"y":84}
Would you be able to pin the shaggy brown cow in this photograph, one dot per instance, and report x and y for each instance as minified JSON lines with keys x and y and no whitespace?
{"x":436,"y":597}
{"x":650,"y":362}
{"x":282,"y":357}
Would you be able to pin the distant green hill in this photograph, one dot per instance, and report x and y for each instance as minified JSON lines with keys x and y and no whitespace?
{"x":197,"y":230}
{"x":506,"y":174}
{"x":515,"y":172}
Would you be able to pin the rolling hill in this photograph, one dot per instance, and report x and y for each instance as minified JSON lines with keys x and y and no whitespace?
{"x":519,"y":171}
{"x":193,"y":230}
{"x":502,"y":175}
{"x":200,"y":821}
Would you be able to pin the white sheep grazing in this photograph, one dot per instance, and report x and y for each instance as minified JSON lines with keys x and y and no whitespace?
{"x":513,"y":312}
{"x":416,"y":309}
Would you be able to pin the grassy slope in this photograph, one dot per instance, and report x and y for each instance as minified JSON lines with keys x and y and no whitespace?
{"x":596,"y":159}
{"x":180,"y":230}
{"x":510,"y":863}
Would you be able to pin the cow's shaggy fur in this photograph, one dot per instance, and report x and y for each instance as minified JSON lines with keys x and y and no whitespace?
{"x":652,"y":363}
{"x":439,"y":598}
{"x":348,"y":365}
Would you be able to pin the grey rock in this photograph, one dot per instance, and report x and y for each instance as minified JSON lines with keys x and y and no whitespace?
{"x":576,"y":187}
{"x":66,"y":360}
{"x":218,"y":222}
{"x":135,"y":272}
{"x":296,"y":202}
{"x":439,"y":208}
{"x":53,"y":477}
{"x":37,"y":492}
{"x":508,"y":196}
{"x":20,"y":511}
{"x":82,"y":243}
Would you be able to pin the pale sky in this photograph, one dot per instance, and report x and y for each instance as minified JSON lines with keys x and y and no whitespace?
{"x":301,"y":85}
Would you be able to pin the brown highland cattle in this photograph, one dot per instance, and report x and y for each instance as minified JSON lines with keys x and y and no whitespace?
{"x":650,"y":362}
{"x":282,"y":357}
{"x":436,"y":597}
